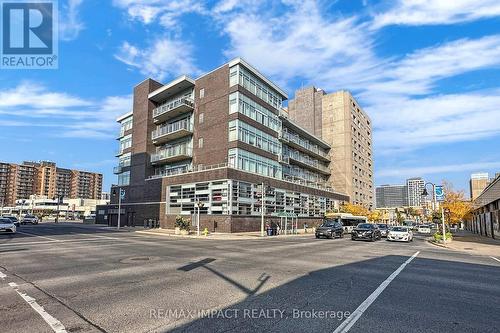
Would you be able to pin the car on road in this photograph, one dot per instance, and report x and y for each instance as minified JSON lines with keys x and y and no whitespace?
{"x":400,"y":234}
{"x":384,"y":229}
{"x":424,"y":229}
{"x":7,"y":225}
{"x":29,"y":219}
{"x":330,"y":229}
{"x":367,"y":231}
{"x":13,"y":219}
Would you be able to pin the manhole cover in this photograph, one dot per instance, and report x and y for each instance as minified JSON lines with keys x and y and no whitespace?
{"x":138,"y":259}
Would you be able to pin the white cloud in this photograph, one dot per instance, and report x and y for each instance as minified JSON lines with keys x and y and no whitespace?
{"x":424,"y":12}
{"x":300,"y":43}
{"x":437,"y":169}
{"x":69,"y":21}
{"x":169,"y":12}
{"x":164,"y":57}
{"x":72,"y":115}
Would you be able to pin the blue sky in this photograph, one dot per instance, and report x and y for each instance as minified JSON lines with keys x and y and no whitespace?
{"x":427,"y":72}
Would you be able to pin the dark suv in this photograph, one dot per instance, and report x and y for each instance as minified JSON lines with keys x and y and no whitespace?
{"x":367,"y":231}
{"x":330,"y":229}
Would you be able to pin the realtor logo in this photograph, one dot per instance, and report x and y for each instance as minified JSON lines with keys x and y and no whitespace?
{"x":29,"y":34}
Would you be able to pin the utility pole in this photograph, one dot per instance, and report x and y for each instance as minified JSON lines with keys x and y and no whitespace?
{"x":199,"y":205}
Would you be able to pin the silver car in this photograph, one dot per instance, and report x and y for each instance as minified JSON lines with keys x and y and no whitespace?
{"x":7,"y":225}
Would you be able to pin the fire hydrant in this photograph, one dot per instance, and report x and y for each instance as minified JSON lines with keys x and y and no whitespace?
{"x":205,"y":232}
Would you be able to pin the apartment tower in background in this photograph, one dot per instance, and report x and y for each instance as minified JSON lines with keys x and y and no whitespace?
{"x":415,"y":188}
{"x":477,"y":183}
{"x":391,"y":196}
{"x":19,"y":181}
{"x":340,"y":121}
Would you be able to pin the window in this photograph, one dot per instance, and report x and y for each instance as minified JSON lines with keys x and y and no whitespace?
{"x":247,"y":161}
{"x":239,"y":74}
{"x":124,"y":178}
{"x":200,"y":143}
{"x":126,"y":142}
{"x":241,"y":103}
{"x":202,"y":92}
{"x":239,"y":130}
{"x":201,"y":118}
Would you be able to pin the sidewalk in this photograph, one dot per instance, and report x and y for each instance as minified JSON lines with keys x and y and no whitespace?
{"x":468,"y":242}
{"x":219,"y":235}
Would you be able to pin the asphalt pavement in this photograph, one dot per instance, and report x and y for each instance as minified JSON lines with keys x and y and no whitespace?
{"x":71,"y":277}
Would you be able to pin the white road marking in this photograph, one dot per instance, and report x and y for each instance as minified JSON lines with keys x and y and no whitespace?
{"x":495,"y":259}
{"x":2,"y":275}
{"x":55,"y":324}
{"x":59,"y":241}
{"x":30,"y":234}
{"x":353,"y":318}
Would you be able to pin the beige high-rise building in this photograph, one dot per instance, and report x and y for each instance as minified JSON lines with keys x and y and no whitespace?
{"x":339,"y":120}
{"x":477,"y":183}
{"x":19,"y":181}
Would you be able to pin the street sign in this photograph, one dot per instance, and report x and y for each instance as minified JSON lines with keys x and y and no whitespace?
{"x":439,"y":193}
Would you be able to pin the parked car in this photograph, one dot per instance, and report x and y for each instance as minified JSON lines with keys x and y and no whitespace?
{"x":330,"y":229}
{"x":424,"y":229}
{"x":366,"y":231}
{"x":6,"y":225}
{"x":400,"y":234}
{"x":384,"y":229}
{"x":13,"y":219}
{"x":29,"y":219}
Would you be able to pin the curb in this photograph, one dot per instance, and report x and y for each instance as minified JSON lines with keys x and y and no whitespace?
{"x":220,"y":237}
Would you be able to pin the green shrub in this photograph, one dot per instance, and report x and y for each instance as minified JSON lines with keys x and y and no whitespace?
{"x":439,"y":236}
{"x":182,"y":223}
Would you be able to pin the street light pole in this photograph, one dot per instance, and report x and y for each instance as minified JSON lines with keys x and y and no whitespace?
{"x":442,"y":221}
{"x":119,"y":207}
{"x":199,"y":205}
{"x":262,"y":208}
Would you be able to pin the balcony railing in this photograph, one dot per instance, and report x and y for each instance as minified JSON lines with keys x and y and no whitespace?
{"x":177,"y":127}
{"x":294,"y":138}
{"x":183,"y":103}
{"x":306,"y":160}
{"x":172,"y":153}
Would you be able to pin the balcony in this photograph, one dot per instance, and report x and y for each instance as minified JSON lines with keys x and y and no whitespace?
{"x":172,"y":154}
{"x":295,"y":141}
{"x":307,"y":162}
{"x":172,"y":131}
{"x":117,"y":169}
{"x":172,"y":108}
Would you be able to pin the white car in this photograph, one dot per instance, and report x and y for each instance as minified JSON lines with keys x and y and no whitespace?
{"x":400,"y":234}
{"x":29,"y":219}
{"x":7,"y":225}
{"x":424,"y":229}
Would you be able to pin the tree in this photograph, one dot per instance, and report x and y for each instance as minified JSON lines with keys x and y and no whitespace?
{"x":375,"y":216}
{"x":399,"y":218}
{"x":357,"y":210}
{"x":459,"y":208}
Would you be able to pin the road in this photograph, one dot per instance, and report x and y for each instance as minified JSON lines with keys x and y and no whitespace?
{"x":78,"y":278}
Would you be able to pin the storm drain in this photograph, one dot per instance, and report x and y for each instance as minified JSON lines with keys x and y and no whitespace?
{"x":135,"y":260}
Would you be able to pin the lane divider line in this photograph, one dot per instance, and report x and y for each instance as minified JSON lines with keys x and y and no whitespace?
{"x":353,"y":318}
{"x":495,"y":259}
{"x":55,"y":324}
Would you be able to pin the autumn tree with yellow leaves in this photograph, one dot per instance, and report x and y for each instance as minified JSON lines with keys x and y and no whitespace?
{"x":459,"y":207}
{"x":353,"y":209}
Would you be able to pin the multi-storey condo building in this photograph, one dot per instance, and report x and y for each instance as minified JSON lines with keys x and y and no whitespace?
{"x":415,"y":188}
{"x":212,"y":142}
{"x":391,"y":196}
{"x":477,"y":183}
{"x":341,"y":122}
{"x":20,"y":181}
